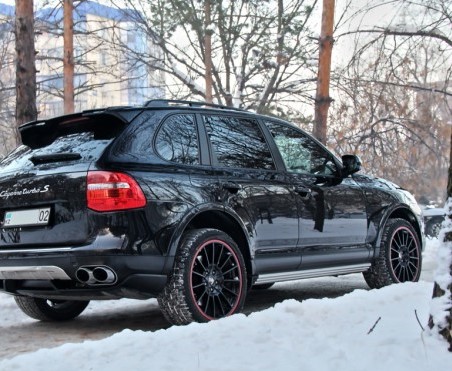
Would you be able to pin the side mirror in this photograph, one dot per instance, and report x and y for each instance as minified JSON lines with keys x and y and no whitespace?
{"x":351,"y":163}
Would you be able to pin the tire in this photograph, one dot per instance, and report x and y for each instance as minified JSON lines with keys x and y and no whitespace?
{"x":400,"y":258}
{"x":50,"y":310}
{"x":263,"y":286}
{"x":208,"y":280}
{"x":433,"y":227}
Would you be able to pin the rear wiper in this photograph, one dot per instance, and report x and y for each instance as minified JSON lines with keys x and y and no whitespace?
{"x":54,"y":157}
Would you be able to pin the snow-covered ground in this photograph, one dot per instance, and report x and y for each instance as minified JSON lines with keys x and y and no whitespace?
{"x":363,"y":330}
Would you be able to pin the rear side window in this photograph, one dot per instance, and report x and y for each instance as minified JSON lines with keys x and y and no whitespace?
{"x":238,"y":143}
{"x":177,"y":140}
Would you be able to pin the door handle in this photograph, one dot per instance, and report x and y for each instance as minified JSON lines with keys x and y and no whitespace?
{"x":305,"y":193}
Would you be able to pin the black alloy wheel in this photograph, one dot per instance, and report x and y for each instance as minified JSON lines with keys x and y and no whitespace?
{"x":216,"y":279}
{"x":400,"y":257}
{"x":208,"y":281}
{"x":404,"y":255}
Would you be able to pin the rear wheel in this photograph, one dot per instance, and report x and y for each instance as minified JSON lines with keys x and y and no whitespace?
{"x":50,"y":310}
{"x":400,"y":257}
{"x":208,"y":280}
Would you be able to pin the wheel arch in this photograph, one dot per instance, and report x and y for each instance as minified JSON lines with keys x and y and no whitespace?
{"x":402,"y":212}
{"x":216,"y":218}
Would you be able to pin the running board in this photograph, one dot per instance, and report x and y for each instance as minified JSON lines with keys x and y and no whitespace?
{"x":311,"y":273}
{"x":33,"y":273}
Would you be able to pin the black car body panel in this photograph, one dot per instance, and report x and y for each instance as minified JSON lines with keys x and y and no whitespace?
{"x":195,"y":170}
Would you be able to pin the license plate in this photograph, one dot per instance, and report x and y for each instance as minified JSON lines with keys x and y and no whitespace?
{"x":25,"y":218}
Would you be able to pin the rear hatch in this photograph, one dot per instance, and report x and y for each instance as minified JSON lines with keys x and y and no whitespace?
{"x":43,"y":182}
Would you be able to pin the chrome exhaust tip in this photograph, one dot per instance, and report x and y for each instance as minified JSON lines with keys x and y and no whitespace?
{"x":104,"y":275}
{"x":85,"y":275}
{"x":96,"y":275}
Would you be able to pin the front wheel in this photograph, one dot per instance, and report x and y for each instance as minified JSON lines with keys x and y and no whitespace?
{"x":400,"y":258}
{"x":208,"y":279}
{"x":50,"y":310}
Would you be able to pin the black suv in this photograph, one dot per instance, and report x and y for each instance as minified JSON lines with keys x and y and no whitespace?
{"x":193,"y":204}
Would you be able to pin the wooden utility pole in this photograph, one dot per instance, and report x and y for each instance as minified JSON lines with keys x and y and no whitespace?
{"x":208,"y":50}
{"x":323,"y":99}
{"x":25,"y":63}
{"x":68,"y":59}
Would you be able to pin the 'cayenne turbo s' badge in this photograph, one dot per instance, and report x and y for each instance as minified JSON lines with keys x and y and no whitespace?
{"x":24,"y":191}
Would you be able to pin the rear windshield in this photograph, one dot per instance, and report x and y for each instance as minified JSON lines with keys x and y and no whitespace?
{"x":82,"y":143}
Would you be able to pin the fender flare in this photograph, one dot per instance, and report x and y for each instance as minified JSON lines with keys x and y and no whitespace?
{"x":190,"y":216}
{"x":412,"y":217}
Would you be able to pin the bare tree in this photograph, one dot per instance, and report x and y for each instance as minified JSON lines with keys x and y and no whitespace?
{"x":260,"y":50}
{"x":397,"y":108}
{"x":102,"y":74}
{"x":398,"y":131}
{"x":393,"y":99}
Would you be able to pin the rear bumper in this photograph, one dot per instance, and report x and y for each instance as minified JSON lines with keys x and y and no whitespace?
{"x":51,"y":274}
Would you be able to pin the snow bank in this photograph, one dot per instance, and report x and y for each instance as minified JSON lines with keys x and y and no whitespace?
{"x":316,"y":335}
{"x":364,"y":330}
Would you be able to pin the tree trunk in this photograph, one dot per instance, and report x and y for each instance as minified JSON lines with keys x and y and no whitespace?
{"x":322,"y":99}
{"x":438,"y":291}
{"x":68,"y":60}
{"x":25,"y":63}
{"x":208,"y":51}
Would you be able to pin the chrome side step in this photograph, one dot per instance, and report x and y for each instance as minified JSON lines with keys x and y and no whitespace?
{"x":311,"y":273}
{"x":33,"y":273}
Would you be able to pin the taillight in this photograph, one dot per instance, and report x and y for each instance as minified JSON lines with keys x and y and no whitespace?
{"x":108,"y":191}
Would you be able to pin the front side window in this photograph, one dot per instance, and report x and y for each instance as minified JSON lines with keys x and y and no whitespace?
{"x":177,"y":140}
{"x":300,"y":153}
{"x":238,"y":143}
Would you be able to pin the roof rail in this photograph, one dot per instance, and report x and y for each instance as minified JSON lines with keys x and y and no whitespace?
{"x":168,"y":102}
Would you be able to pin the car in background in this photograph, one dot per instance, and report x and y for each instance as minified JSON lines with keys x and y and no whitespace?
{"x":433,"y":219}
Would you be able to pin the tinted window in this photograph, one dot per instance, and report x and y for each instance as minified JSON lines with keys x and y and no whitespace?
{"x":63,"y":139}
{"x":238,"y":142}
{"x":84,"y":144}
{"x":177,"y":140}
{"x":300,"y":153}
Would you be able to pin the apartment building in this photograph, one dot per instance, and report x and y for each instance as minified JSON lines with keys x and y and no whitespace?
{"x":114,"y":60}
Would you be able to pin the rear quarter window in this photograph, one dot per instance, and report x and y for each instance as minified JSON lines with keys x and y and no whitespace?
{"x":177,"y":140}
